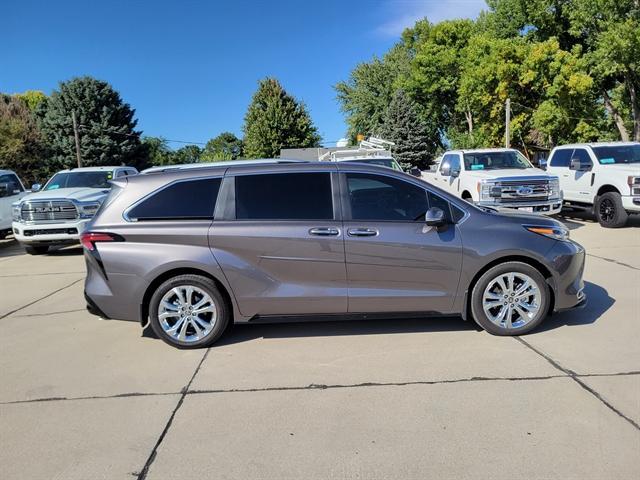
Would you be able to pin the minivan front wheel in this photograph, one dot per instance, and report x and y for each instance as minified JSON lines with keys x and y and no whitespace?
{"x":510,"y":299}
{"x":188,"y":311}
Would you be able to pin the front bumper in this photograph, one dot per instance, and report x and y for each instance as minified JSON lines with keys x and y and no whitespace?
{"x":49,"y":233}
{"x":550,"y":207}
{"x":567,"y":262}
{"x":631,"y":204}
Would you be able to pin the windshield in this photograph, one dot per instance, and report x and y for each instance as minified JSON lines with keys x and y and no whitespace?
{"x":618,"y":154}
{"x":495,"y":160}
{"x":383,"y":162}
{"x":80,"y":180}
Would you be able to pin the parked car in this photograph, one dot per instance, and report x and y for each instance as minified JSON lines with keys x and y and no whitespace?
{"x":190,"y":250}
{"x":59,"y":212}
{"x":600,"y":177}
{"x":499,"y":178}
{"x":11,"y":190}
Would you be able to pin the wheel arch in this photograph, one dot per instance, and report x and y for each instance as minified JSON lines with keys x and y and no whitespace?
{"x":606,"y":189}
{"x":466,"y":194}
{"x":541,"y":267}
{"x":164,"y":276}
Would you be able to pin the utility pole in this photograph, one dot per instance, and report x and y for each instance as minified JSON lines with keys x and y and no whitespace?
{"x":507,"y":120}
{"x":76,"y":134}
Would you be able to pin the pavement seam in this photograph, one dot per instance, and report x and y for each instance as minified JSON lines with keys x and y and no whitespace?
{"x":613,"y":261}
{"x":50,"y":313}
{"x":314,"y":386}
{"x":39,"y":299}
{"x":152,"y":456}
{"x":576,"y":378}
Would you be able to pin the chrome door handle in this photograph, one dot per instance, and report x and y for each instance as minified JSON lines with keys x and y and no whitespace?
{"x":324,"y":231}
{"x":363,"y":232}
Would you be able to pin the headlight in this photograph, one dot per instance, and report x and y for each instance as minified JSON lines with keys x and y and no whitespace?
{"x":16,"y":212}
{"x":88,"y":210}
{"x":634,"y":185}
{"x":557,"y":233}
{"x":554,"y":188}
{"x":488,"y":191}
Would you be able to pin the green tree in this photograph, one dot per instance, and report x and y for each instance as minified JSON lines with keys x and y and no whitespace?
{"x":106,"y":123}
{"x":156,"y":150}
{"x":225,"y":146}
{"x":276,"y":120}
{"x":414,"y":146}
{"x":365,"y":96}
{"x":21,"y":144}
{"x":187,"y":154}
{"x":33,"y":98}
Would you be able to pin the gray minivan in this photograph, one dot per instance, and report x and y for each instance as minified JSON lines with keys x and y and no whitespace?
{"x":191,"y":250}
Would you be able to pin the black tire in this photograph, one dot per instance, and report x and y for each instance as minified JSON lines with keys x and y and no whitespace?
{"x":481,"y":317}
{"x":609,"y":210}
{"x":36,"y":249}
{"x":208,"y":286}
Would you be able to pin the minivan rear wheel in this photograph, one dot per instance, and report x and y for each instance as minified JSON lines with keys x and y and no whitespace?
{"x":510,"y":299}
{"x":188,"y":311}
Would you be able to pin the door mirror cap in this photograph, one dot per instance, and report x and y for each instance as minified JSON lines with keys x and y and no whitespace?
{"x":435,"y":217}
{"x":445,"y":170}
{"x":579,"y":166}
{"x":542,"y":163}
{"x":36,"y":187}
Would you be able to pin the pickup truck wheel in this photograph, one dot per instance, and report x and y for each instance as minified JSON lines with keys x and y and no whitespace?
{"x":188,"y":311}
{"x":510,"y":299}
{"x":609,"y":210}
{"x":36,"y":249}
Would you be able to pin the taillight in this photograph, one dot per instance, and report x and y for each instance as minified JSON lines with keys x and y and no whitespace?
{"x":89,"y":239}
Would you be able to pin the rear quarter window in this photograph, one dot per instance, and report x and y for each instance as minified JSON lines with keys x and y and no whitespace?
{"x":182,"y":200}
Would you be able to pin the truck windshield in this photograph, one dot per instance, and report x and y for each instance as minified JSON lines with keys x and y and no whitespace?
{"x":80,"y":180}
{"x":618,"y":154}
{"x":495,"y":160}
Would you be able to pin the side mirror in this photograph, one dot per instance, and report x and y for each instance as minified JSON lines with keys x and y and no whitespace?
{"x":542,"y":163}
{"x":36,"y":187}
{"x":435,"y":217}
{"x":415,"y":171}
{"x":445,"y":170}
{"x":579,"y":166}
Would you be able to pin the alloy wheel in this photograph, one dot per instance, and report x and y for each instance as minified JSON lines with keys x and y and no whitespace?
{"x":511,"y":300}
{"x":187,"y":313}
{"x":607,"y":210}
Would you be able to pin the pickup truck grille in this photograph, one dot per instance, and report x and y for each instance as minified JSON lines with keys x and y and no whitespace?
{"x":524,"y":191}
{"x":48,"y":211}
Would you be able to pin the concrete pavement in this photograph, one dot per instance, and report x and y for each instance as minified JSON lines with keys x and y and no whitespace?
{"x":88,"y":398}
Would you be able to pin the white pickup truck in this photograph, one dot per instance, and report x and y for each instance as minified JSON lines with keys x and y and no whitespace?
{"x":498,"y":178}
{"x":600,"y":177}
{"x":11,"y":190}
{"x":58,"y":213}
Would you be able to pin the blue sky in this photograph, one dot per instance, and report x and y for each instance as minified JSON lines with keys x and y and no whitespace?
{"x":190,"y":68}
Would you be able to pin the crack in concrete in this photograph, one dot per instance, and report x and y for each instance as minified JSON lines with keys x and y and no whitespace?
{"x":39,"y":299}
{"x":576,"y":378}
{"x":50,"y":313}
{"x":613,"y":261}
{"x":152,"y":456}
{"x":39,"y":274}
{"x":315,"y":386}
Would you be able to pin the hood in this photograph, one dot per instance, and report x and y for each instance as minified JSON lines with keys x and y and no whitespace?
{"x":623,"y":168}
{"x":507,"y":172}
{"x":77,"y":194}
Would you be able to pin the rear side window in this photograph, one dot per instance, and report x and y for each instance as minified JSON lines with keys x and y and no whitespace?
{"x":377,"y":197}
{"x":184,"y":200}
{"x":284,"y":196}
{"x":561,"y":158}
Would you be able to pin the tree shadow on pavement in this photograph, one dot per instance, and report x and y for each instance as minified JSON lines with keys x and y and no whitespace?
{"x":598,"y":302}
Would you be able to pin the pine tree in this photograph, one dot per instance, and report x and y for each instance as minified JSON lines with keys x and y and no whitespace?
{"x":402,"y":125}
{"x":107,"y":126}
{"x":276,"y":120}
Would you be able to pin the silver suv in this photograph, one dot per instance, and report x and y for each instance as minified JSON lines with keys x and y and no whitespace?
{"x":192,"y":250}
